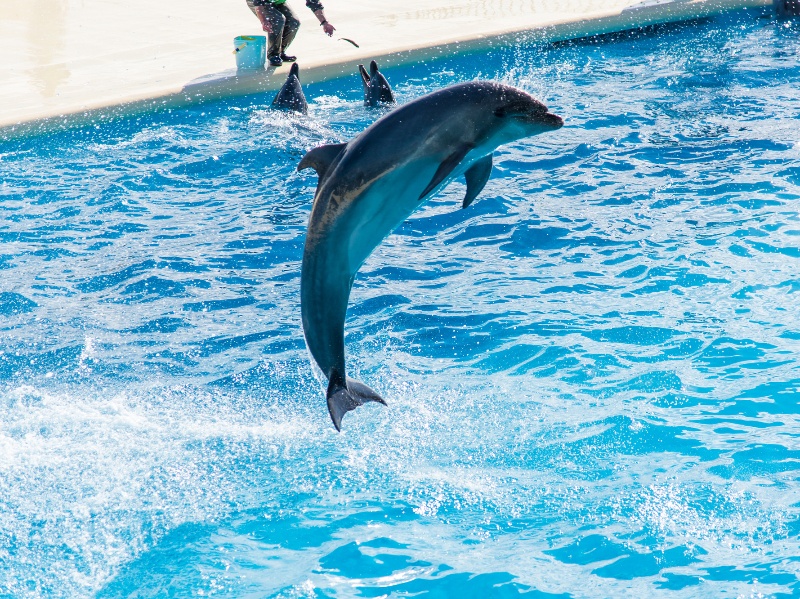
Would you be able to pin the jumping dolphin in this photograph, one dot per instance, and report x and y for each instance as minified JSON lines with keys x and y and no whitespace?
{"x":290,"y":96}
{"x":368,"y":186}
{"x":376,"y":88}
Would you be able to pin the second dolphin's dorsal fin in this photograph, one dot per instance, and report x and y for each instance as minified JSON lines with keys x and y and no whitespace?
{"x":364,"y":75}
{"x":321,"y":158}
{"x":477,"y":175}
{"x":446,"y":167}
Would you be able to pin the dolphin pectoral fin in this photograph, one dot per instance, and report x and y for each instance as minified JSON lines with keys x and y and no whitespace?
{"x":320,"y":158}
{"x":343,"y":398}
{"x":446,"y":167}
{"x":477,"y":175}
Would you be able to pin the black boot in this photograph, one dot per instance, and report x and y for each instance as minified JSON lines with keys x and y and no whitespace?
{"x":275,"y":61}
{"x":287,"y":58}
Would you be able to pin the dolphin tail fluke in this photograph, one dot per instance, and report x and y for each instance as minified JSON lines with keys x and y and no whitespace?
{"x":343,"y":397}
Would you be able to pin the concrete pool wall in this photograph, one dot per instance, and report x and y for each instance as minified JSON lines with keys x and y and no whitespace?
{"x":72,"y":62}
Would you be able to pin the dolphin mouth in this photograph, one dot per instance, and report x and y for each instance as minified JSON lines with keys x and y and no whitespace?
{"x":555,"y":121}
{"x":548,"y":119}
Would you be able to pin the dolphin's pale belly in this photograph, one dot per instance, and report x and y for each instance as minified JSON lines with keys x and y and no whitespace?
{"x":391,"y":200}
{"x":382,"y":208}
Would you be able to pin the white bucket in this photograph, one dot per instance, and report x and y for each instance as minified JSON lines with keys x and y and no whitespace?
{"x":250,"y":51}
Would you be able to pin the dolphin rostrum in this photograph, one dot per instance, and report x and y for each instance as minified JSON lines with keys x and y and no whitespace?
{"x":370,"y":185}
{"x":376,"y":88}
{"x":291,"y":96}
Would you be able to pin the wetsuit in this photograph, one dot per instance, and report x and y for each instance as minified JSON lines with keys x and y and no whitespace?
{"x":284,"y":23}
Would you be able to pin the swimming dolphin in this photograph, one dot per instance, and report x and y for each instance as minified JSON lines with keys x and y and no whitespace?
{"x":787,"y":8}
{"x":290,"y":96}
{"x":368,"y":186}
{"x":376,"y":88}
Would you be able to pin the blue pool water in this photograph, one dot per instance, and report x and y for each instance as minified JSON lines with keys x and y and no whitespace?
{"x":593,"y":373}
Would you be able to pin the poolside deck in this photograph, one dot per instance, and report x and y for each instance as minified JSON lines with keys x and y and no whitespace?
{"x":70,"y":61}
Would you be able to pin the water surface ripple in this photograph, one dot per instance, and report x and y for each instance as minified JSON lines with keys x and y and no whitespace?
{"x":592,"y":373}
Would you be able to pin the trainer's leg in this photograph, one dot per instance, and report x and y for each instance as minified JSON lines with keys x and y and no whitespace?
{"x":277,"y":21}
{"x":291,"y":27}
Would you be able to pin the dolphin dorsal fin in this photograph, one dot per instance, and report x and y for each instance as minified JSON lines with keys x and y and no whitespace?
{"x":321,"y":158}
{"x":295,"y":70}
{"x":477,"y":175}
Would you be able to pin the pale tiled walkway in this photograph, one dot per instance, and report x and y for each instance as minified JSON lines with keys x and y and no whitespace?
{"x":67,"y":57}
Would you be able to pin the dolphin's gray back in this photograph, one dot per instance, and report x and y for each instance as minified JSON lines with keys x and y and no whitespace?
{"x":385,"y":146}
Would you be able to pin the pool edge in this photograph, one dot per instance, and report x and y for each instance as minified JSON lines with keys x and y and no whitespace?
{"x":228,"y":84}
